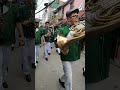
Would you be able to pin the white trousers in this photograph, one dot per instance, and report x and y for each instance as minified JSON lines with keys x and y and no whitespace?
{"x":52,"y":44}
{"x":47,"y":49}
{"x":67,"y":77}
{"x":37,"y":47}
{"x":28,"y":54}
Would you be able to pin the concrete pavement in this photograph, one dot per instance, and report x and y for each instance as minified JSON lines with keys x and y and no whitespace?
{"x":48,"y":72}
{"x":16,"y":80}
{"x":46,"y":75}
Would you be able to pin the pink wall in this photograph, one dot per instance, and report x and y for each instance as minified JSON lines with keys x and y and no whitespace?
{"x":66,"y":8}
{"x":77,"y":3}
{"x":60,"y":11}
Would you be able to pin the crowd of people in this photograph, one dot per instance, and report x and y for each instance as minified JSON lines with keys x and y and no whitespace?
{"x":47,"y":35}
{"x":32,"y":36}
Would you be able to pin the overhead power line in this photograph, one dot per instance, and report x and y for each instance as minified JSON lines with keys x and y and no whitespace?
{"x":45,"y":7}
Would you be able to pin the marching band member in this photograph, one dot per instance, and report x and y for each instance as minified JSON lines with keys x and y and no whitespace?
{"x":73,"y":53}
{"x":52,"y":37}
{"x":46,"y":40}
{"x":38,"y":34}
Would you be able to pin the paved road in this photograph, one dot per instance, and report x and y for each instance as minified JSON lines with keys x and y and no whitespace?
{"x":16,"y":79}
{"x":46,"y":75}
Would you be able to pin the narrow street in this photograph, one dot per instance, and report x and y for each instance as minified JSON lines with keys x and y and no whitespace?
{"x":46,"y":75}
{"x":16,"y":79}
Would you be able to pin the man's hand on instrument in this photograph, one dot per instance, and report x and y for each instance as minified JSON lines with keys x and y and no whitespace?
{"x":48,"y":34}
{"x":61,"y":40}
{"x":79,"y":37}
{"x":77,"y":32}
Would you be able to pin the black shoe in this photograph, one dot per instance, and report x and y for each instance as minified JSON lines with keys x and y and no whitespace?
{"x":62,"y":83}
{"x":33,"y":66}
{"x":5,"y":85}
{"x":84,"y":72}
{"x":36,"y":61}
{"x":12,"y":48}
{"x":48,"y":53}
{"x":28,"y":78}
{"x":56,"y":50}
{"x":59,"y":53}
{"x":46,"y":59}
{"x":51,"y":47}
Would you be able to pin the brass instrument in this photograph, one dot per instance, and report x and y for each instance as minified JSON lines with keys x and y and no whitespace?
{"x":48,"y":34}
{"x":77,"y":32}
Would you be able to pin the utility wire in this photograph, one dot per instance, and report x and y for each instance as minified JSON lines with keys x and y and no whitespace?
{"x":45,"y":7}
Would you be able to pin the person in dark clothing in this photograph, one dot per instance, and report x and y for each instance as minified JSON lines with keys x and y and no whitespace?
{"x":26,"y":14}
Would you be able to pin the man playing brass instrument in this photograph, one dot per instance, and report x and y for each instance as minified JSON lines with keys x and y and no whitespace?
{"x":46,"y":40}
{"x":76,"y":32}
{"x":74,"y":49}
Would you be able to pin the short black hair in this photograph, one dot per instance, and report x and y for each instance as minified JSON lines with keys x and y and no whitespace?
{"x":47,"y":22}
{"x":69,"y":13}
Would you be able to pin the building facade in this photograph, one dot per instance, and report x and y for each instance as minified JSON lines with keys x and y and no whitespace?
{"x":60,"y":12}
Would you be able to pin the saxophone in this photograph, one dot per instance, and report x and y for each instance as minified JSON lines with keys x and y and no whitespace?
{"x":76,"y":32}
{"x":46,"y":35}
